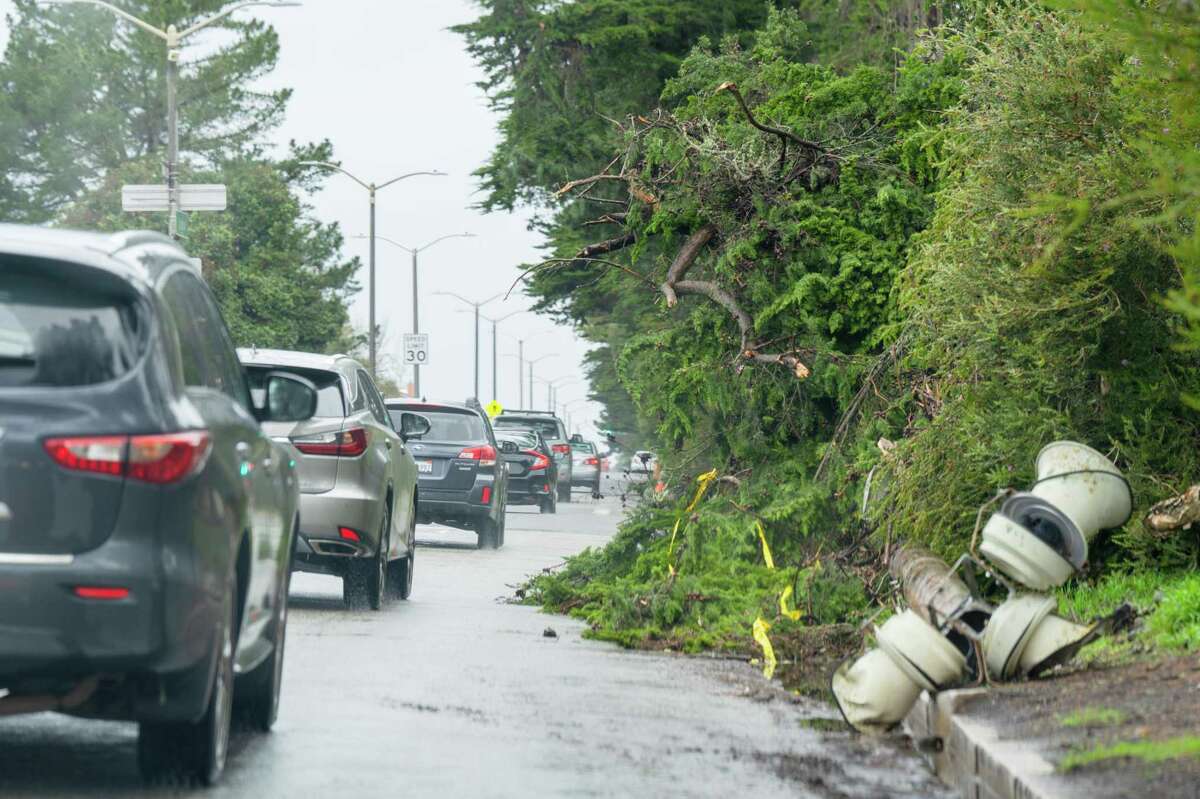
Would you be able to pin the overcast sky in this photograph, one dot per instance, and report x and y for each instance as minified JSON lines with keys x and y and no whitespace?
{"x":394,"y":91}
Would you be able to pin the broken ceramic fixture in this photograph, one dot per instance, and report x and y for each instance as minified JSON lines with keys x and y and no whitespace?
{"x":923,"y":653}
{"x":873,"y":693}
{"x":1025,"y":637}
{"x":1040,"y":538}
{"x":876,"y":691}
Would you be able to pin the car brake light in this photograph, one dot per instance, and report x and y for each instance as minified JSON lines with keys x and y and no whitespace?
{"x":485,"y":455}
{"x":343,"y":444}
{"x":487,"y":495}
{"x":561,"y":449}
{"x":167,"y":458}
{"x":161,"y":458}
{"x":348,"y":534}
{"x":591,"y":462}
{"x":108,"y":593}
{"x":541,"y":462}
{"x":97,"y":454}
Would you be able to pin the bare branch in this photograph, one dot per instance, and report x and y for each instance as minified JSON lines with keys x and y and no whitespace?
{"x":684,"y":260}
{"x":605,"y":247}
{"x":784,"y":135}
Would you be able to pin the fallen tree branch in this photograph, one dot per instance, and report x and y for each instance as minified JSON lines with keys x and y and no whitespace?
{"x":562,"y":262}
{"x":1174,"y":514}
{"x":605,"y":247}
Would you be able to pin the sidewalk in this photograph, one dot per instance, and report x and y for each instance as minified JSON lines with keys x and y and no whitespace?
{"x":1093,"y":732}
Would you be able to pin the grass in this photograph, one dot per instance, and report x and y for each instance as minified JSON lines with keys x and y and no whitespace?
{"x":1146,"y":751}
{"x":1093,"y":717}
{"x":1169,"y":604}
{"x":1176,"y":622}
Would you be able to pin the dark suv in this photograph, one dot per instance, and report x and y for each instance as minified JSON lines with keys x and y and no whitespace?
{"x":146,"y":522}
{"x":554,"y":431}
{"x":532,"y":472}
{"x":460,"y":477}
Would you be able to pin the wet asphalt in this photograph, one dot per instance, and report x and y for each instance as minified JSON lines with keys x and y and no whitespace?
{"x":459,"y":692}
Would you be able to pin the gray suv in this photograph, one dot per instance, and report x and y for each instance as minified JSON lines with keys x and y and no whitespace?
{"x":555,"y":433}
{"x":358,"y":493}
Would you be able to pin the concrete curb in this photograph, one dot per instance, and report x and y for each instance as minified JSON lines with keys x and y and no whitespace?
{"x":970,"y":756}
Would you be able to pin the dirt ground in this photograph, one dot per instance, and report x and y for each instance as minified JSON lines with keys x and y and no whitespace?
{"x":1149,"y":700}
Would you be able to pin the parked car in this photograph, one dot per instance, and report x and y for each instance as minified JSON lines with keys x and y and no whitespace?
{"x":358,"y":481}
{"x":147,"y":522}
{"x":532,"y":472}
{"x":463,"y":482}
{"x":554,"y":431}
{"x":585,"y":465}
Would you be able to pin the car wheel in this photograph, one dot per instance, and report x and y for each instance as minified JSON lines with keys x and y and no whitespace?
{"x":257,"y":696}
{"x":400,"y":577}
{"x":564,"y":495}
{"x":183,"y":752}
{"x":503,"y":524}
{"x":378,"y":566}
{"x":548,"y":504}
{"x":488,"y":534}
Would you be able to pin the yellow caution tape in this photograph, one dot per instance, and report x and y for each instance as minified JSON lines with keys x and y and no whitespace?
{"x":760,"y":635}
{"x":762,"y":536}
{"x":702,"y":483}
{"x":784,"y":602}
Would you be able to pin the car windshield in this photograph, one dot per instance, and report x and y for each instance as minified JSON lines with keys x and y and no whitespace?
{"x":56,"y":332}
{"x":548,"y":427}
{"x":330,"y":404}
{"x":446,"y":425}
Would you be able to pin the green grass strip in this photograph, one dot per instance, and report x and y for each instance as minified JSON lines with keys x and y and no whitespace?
{"x":1146,"y":751}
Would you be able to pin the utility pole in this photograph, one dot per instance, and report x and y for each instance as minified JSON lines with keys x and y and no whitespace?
{"x":521,"y":373}
{"x":371,"y":188}
{"x":415,"y":251}
{"x":476,"y":306}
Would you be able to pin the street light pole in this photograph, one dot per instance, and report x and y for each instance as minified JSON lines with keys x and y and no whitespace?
{"x":521,"y":372}
{"x":173,"y":39}
{"x":415,"y":251}
{"x":495,"y":336}
{"x":476,"y":306}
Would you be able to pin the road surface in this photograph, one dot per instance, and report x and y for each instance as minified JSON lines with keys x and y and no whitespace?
{"x":458,"y":692}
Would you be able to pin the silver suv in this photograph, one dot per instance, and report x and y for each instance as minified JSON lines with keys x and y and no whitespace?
{"x":357,"y":477}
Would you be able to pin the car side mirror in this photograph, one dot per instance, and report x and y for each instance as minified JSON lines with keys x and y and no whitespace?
{"x":508,"y":447}
{"x":576,"y":438}
{"x":287,"y":398}
{"x":413,"y":425}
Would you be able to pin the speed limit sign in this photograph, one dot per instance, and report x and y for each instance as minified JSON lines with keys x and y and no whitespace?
{"x":416,"y":349}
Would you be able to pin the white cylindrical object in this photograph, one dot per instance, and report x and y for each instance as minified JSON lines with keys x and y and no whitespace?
{"x":1052,"y":635}
{"x":1009,"y":632}
{"x":924,"y":654}
{"x":1023,"y":556}
{"x":873,"y":693}
{"x":1084,"y":485}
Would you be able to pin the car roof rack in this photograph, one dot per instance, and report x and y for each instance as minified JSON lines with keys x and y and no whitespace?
{"x":515,"y":411}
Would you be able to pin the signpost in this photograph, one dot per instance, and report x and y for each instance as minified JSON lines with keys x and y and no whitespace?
{"x":196,"y":197}
{"x":416,"y":349}
{"x":493,"y":409}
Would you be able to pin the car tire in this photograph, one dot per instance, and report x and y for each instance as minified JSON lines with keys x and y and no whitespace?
{"x":503,"y":525}
{"x":488,"y":533}
{"x":257,"y":696}
{"x":183,"y":752}
{"x":564,"y":495}
{"x":377,"y":567}
{"x":549,"y":504}
{"x":400,"y":578}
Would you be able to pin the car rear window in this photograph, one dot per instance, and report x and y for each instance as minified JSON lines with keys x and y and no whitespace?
{"x":330,"y":403}
{"x":446,"y":425}
{"x":521,"y":439}
{"x":62,"y":328}
{"x":583,"y":446}
{"x":547,"y":427}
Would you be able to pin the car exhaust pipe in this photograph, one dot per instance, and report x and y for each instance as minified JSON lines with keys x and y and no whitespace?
{"x":49,"y":703}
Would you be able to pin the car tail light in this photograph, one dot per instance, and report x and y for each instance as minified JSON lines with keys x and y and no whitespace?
{"x":108,"y":593}
{"x":487,"y":495}
{"x":349,"y":534}
{"x":343,"y":443}
{"x":163,"y":458}
{"x":96,"y":454}
{"x":540,"y":462}
{"x":591,"y":461}
{"x":562,"y":449}
{"x":167,"y":458}
{"x":484,"y":456}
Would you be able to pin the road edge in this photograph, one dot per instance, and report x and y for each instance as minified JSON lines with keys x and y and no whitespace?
{"x":970,"y":756}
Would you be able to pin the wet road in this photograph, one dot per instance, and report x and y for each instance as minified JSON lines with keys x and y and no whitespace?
{"x":458,"y":693}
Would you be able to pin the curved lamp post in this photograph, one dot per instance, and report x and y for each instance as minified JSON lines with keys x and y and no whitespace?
{"x":371,"y":188}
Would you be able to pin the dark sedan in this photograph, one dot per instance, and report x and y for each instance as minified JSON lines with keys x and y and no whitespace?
{"x":460,"y":480}
{"x":146,"y":522}
{"x":532,"y":470}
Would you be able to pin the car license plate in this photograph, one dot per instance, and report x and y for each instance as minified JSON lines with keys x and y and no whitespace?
{"x":425,"y":467}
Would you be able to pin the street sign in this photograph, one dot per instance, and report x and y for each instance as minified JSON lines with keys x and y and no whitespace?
{"x":196,"y":197}
{"x":416,"y":349}
{"x":493,"y":409}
